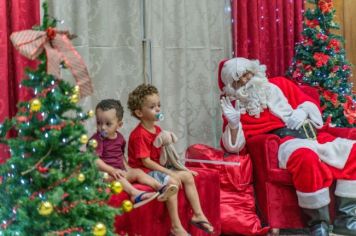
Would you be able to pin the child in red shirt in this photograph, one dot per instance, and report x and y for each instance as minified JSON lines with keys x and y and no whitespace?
{"x":111,"y":149}
{"x":144,"y":104}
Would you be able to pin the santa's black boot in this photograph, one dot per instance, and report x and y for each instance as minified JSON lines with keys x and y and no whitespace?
{"x":318,"y":221}
{"x":345,"y":219}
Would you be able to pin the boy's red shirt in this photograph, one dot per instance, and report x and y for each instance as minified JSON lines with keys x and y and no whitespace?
{"x":141,"y":146}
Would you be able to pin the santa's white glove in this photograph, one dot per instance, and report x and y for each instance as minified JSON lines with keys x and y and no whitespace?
{"x":232,"y":115}
{"x":297,"y":119}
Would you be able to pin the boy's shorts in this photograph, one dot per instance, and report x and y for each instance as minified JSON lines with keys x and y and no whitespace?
{"x":161,"y":177}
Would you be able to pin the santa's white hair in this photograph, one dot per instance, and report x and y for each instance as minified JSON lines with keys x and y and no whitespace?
{"x":252,"y":96}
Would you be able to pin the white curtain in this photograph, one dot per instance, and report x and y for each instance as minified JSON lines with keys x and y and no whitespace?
{"x":188,"y":39}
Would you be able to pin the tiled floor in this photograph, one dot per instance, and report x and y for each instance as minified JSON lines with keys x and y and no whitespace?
{"x":298,"y":232}
{"x":303,"y":234}
{"x":331,"y":234}
{"x":307,"y":234}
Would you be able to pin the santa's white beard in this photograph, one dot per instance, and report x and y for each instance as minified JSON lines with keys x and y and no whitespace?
{"x":252,"y":97}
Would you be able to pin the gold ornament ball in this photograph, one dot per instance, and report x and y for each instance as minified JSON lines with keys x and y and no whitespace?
{"x":74,"y":98}
{"x":93,"y":143}
{"x":99,"y":229}
{"x":45,"y":208}
{"x":35,"y":105}
{"x":116,"y":187}
{"x":81,"y":177}
{"x":84,"y":139}
{"x":127,"y":206}
{"x":91,"y":113}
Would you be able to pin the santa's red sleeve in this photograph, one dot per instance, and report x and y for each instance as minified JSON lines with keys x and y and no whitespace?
{"x":297,"y":99}
{"x":292,"y":92}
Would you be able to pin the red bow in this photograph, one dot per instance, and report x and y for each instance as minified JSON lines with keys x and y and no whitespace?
{"x":325,"y":5}
{"x":59,"y":48}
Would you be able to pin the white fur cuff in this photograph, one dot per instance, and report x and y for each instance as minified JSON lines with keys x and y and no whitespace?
{"x":240,"y":140}
{"x":346,"y":188}
{"x":314,"y":200}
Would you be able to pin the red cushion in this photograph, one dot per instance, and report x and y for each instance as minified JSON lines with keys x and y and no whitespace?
{"x":237,"y":203}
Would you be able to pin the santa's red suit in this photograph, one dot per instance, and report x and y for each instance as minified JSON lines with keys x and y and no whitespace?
{"x":314,"y":164}
{"x":315,"y":159}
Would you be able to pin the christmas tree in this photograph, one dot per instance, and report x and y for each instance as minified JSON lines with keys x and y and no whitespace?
{"x":320,"y":62}
{"x":49,"y":186}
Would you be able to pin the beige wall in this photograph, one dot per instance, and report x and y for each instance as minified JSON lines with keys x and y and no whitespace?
{"x":346,"y":16}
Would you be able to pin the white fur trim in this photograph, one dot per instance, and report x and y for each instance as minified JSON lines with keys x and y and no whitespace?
{"x":278,"y":103}
{"x":234,"y":68}
{"x":314,"y":200}
{"x":240,"y":140}
{"x":313,"y":112}
{"x":345,"y":188}
{"x":279,"y":106}
{"x":333,"y":153}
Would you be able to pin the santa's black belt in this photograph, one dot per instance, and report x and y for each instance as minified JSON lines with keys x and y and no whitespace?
{"x":307,"y":131}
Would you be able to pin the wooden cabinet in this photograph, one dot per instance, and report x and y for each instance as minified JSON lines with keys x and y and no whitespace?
{"x":349,"y":32}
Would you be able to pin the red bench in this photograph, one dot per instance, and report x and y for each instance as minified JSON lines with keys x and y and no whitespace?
{"x":152,"y":219}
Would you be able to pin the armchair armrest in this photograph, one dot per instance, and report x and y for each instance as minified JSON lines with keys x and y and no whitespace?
{"x":263,"y":149}
{"x":264,"y":154}
{"x":349,"y":133}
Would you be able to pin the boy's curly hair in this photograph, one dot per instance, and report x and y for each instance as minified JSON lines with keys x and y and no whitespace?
{"x":138,"y":95}
{"x":108,"y":104}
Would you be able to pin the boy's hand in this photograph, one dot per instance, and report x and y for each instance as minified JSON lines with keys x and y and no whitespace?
{"x":118,"y":174}
{"x":122,"y":173}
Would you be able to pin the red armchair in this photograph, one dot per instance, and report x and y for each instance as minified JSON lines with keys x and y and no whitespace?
{"x":152,"y":218}
{"x":276,"y":196}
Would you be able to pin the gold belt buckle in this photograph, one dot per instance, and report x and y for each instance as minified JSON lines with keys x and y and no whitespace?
{"x":305,"y":124}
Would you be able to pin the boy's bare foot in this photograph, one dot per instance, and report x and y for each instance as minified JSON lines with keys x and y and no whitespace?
{"x":202,"y":223}
{"x":141,"y":198}
{"x":178,"y":231}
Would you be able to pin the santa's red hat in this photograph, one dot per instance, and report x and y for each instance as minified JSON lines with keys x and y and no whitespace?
{"x":232,"y":69}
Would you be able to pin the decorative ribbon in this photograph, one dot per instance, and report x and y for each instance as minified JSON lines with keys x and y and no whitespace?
{"x":59,"y":48}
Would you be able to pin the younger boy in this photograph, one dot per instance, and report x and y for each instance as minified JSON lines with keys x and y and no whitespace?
{"x":144,"y":104}
{"x":111,"y":148}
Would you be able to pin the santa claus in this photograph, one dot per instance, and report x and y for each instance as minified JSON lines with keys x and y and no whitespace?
{"x":252,"y":104}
